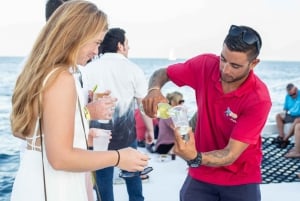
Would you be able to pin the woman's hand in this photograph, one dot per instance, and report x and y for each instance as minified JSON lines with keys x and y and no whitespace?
{"x":132,"y":160}
{"x":102,"y":108}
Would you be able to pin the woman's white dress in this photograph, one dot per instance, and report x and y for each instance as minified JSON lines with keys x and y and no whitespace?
{"x":60,"y":185}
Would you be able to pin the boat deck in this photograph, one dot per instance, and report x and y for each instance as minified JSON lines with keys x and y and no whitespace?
{"x":167,"y":178}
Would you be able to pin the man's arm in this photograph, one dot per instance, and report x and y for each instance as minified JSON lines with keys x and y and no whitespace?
{"x":154,"y":96}
{"x":149,"y":135}
{"x":215,"y":158}
{"x":159,"y":78}
{"x":224,"y":156}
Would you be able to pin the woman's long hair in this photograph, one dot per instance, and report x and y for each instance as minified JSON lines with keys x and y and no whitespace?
{"x":70,"y":27}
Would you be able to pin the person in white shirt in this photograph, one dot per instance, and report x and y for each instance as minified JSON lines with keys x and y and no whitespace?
{"x":113,"y":71}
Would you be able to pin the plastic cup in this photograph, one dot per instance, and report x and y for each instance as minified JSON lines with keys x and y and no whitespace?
{"x":98,"y":95}
{"x":101,"y":140}
{"x":180,"y":119}
{"x":162,"y":110}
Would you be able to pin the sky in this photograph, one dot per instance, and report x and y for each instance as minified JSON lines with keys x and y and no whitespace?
{"x":155,"y":28}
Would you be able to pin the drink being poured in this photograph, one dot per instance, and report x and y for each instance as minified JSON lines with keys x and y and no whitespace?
{"x":162,"y":110}
{"x":178,"y":114}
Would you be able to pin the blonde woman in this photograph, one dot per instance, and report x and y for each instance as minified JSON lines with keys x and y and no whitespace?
{"x":49,"y":89}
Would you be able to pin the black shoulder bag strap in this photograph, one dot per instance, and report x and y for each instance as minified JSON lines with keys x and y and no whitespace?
{"x":42,"y":150}
{"x":44,"y":178}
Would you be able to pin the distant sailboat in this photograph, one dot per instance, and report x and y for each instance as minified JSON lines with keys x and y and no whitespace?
{"x":172,"y":56}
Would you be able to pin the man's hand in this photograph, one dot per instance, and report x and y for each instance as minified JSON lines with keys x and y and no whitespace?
{"x":154,"y":96}
{"x":185,"y":149}
{"x":151,"y":101}
{"x":149,"y":137}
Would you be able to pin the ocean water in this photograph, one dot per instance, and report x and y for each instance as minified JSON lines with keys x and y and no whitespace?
{"x":275,"y":74}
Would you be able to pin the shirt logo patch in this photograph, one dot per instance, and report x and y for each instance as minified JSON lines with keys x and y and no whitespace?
{"x":231,"y":115}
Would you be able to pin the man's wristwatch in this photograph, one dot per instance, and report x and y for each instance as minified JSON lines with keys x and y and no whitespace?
{"x":196,"y":162}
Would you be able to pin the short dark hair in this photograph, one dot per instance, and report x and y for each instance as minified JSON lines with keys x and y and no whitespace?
{"x":237,"y":43}
{"x":111,"y":40}
{"x":289,"y":86}
{"x":51,"y":6}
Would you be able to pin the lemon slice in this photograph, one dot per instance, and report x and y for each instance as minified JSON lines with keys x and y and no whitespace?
{"x":95,"y":88}
{"x":163,"y":110}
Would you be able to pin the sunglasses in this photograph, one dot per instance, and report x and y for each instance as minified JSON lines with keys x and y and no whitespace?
{"x":126,"y":174}
{"x":181,"y":101}
{"x":248,"y":37}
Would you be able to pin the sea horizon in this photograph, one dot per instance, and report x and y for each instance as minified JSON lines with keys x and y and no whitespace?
{"x":177,"y":58}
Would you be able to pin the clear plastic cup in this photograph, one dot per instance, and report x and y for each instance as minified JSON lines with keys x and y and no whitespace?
{"x":162,"y":110}
{"x":99,"y":95}
{"x":101,"y":140}
{"x":179,"y":116}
